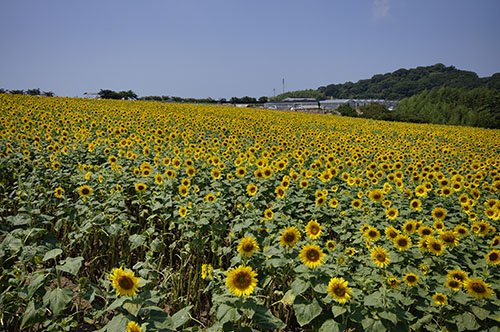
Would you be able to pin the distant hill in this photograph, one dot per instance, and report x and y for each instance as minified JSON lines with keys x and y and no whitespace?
{"x":405,"y":83}
{"x":402,"y":83}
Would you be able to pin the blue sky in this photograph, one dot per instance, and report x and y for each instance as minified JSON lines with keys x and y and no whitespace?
{"x":235,"y":48}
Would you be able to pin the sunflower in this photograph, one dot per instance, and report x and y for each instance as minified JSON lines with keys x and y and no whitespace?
{"x":330,"y":244}
{"x":158,"y":178}
{"x":380,"y":256}
{"x":84,"y":191}
{"x":402,"y":242}
{"x":425,"y":231}
{"x":333,"y":202}
{"x":424,"y":268}
{"x":495,"y":242}
{"x":215,"y":173}
{"x":251,"y":189}
{"x":338,"y":288}
{"x":289,"y":237}
{"x":350,"y":251}
{"x":453,"y":284}
{"x":372,"y":234}
{"x":133,"y":327}
{"x":311,"y":255}
{"x":280,"y":192}
{"x":303,"y":183}
{"x":313,"y":229}
{"x":241,"y":280}
{"x":461,"y":230}
{"x":356,"y":203}
{"x":182,"y":211}
{"x":391,"y":232}
{"x":376,"y":195}
{"x":493,"y":257}
{"x":140,"y":187}
{"x":124,"y":282}
{"x":478,"y":288}
{"x":392,"y":282}
{"x":391,"y":213}
{"x":268,"y":213}
{"x":440,"y":298}
{"x":320,"y":201}
{"x":416,"y":204}
{"x":439,"y":213}
{"x":435,"y":246}
{"x":449,"y":238}
{"x":410,"y":226}
{"x":58,"y":192}
{"x":247,"y":246}
{"x":457,"y":274}
{"x":411,"y":279}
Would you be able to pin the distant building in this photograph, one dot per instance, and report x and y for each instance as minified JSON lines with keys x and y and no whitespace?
{"x":310,"y":104}
{"x":91,"y":95}
{"x":328,"y":105}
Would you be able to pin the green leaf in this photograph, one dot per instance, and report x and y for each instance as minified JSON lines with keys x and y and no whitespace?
{"x":480,"y":312}
{"x":330,"y":326}
{"x":374,"y":299}
{"x":71,"y":265}
{"x":118,"y":323}
{"x":338,"y":310}
{"x":306,"y":312}
{"x":467,"y":322}
{"x":299,"y":286}
{"x":136,"y":240}
{"x":36,"y":282}
{"x":117,"y":303}
{"x":266,"y":320}
{"x":181,"y":317}
{"x":372,"y":325}
{"x":31,"y":315}
{"x":132,"y":308}
{"x":58,"y":299}
{"x":390,"y":316}
{"x":226,"y":313}
{"x":52,"y":254}
{"x":288,"y":298}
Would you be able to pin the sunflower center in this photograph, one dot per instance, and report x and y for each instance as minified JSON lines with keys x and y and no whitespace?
{"x":411,"y":278}
{"x":85,"y":191}
{"x":242,"y":280}
{"x":402,"y":242}
{"x":126,"y":282}
{"x":248,"y":247}
{"x":493,"y":256}
{"x":289,"y":237}
{"x":454,"y":284}
{"x":380,"y":257}
{"x":436,"y":246}
{"x":339,"y":291}
{"x":313,"y":255}
{"x":314,"y":229}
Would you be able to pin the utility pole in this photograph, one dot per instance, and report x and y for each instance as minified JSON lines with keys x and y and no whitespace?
{"x":274,"y":91}
{"x":283,"y":85}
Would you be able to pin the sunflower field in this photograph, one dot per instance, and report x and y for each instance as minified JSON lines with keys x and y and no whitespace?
{"x":146,"y":216}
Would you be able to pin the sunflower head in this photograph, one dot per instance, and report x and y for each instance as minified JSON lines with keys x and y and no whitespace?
{"x":313,"y":229}
{"x":330,"y":244}
{"x":124,"y":281}
{"x":84,"y":191}
{"x":241,"y":280}
{"x":402,"y":242}
{"x":247,"y":246}
{"x":440,"y":299}
{"x":411,"y":279}
{"x":392,"y":282}
{"x":453,"y":284}
{"x":380,"y":256}
{"x":289,"y":237}
{"x":493,"y":257}
{"x":478,"y":288}
{"x":340,"y":291}
{"x":311,"y":255}
{"x":133,"y":327}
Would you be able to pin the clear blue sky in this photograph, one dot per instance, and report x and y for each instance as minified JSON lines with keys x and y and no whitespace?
{"x":215,"y":48}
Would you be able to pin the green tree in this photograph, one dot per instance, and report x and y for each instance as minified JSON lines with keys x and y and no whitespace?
{"x":347,"y":110}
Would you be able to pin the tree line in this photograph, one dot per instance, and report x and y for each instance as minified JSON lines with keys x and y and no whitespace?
{"x":30,"y":92}
{"x":453,"y":106}
{"x":404,"y":83}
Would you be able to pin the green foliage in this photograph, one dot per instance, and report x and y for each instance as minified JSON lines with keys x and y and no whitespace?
{"x":347,"y":110}
{"x":376,"y":111}
{"x":309,"y":93}
{"x":405,"y":83}
{"x":478,"y":107}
